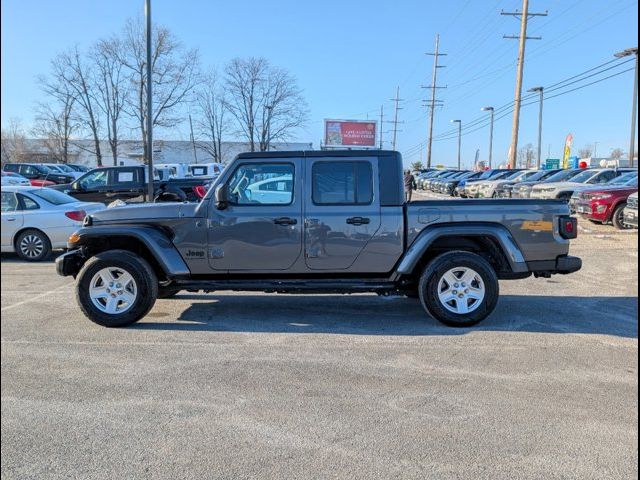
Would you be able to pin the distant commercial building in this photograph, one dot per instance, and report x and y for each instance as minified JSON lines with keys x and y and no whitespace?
{"x":130,"y":151}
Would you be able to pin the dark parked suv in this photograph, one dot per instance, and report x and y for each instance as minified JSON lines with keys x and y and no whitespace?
{"x":34,"y":171}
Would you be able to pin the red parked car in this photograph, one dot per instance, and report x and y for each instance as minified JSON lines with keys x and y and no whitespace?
{"x":604,"y":204}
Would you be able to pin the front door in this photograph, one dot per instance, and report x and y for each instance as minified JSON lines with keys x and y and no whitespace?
{"x":261,"y":228}
{"x":92,"y":186}
{"x":342,"y":211}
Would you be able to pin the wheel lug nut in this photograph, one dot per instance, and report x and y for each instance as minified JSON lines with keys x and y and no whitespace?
{"x":466,"y":291}
{"x":460,"y":296}
{"x":455,"y":292}
{"x":456,"y":285}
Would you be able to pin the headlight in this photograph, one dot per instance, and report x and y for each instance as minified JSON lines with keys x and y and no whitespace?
{"x":601,"y":196}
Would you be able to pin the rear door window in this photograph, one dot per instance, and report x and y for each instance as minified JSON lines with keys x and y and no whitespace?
{"x":9,"y":202}
{"x":342,"y":183}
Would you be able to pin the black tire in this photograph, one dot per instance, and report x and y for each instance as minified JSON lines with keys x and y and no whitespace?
{"x":33,"y":245}
{"x":434,"y":273}
{"x":618,"y":217}
{"x":168,"y":292}
{"x":143,"y":275}
{"x":596,"y":222}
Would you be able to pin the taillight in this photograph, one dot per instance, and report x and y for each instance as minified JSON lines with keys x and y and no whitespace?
{"x":76,"y":215}
{"x":568,"y":228}
{"x":200,"y":191}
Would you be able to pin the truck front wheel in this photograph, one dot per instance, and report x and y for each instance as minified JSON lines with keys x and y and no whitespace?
{"x":116,"y":288}
{"x":459,"y":288}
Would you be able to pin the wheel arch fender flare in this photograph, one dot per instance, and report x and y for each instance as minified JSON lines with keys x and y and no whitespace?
{"x":157,"y":243}
{"x":496,"y":232}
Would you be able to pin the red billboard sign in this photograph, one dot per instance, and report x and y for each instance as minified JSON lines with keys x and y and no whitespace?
{"x":350,"y":133}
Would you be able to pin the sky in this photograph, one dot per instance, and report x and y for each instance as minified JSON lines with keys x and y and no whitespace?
{"x":350,"y":56}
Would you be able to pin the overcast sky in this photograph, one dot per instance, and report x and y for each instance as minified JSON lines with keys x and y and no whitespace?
{"x":349,"y":56}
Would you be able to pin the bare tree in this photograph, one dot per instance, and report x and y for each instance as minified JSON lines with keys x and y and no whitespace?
{"x":585,"y":152}
{"x":525,"y":156}
{"x":12,"y":142}
{"x":265,"y":101}
{"x":113,"y":88}
{"x":55,"y":124}
{"x":69,"y":70}
{"x":417,"y":166}
{"x":212,"y":119}
{"x":617,"y":153}
{"x":174,"y":74}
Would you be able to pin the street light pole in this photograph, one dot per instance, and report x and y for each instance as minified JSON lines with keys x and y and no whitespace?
{"x":634,"y":103}
{"x":492,"y":112}
{"x":150,"y":189}
{"x":459,"y":122}
{"x":539,"y":90}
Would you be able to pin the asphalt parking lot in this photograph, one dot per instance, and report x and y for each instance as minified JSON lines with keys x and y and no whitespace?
{"x":238,"y":386}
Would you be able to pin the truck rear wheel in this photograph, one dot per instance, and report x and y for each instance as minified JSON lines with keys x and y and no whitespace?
{"x":116,"y":288}
{"x":459,"y":288}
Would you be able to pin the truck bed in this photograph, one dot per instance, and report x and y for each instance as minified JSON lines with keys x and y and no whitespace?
{"x":532,"y":224}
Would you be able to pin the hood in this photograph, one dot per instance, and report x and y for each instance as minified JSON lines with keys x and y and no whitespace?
{"x":145,"y":211}
{"x":559,"y":185}
{"x":613,"y":188}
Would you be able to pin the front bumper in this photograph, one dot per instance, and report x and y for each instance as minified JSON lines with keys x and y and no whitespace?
{"x":594,"y":210}
{"x":631,"y":217}
{"x":69,"y":263}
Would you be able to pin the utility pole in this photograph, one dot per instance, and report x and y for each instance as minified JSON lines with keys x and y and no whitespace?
{"x":150,"y":189}
{"x":459,"y":122}
{"x":595,"y":149}
{"x":269,"y":109}
{"x":492,"y":110}
{"x":193,"y":141}
{"x":433,"y":102}
{"x":381,"y":123}
{"x":524,"y":19}
{"x":539,"y":90}
{"x":395,"y":122}
{"x":634,"y":102}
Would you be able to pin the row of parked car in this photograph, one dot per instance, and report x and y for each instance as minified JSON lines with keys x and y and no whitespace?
{"x":42,"y":204}
{"x":598,"y":194}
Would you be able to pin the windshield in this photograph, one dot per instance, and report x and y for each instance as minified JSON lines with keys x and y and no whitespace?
{"x":563,"y":176}
{"x":539,"y":175}
{"x":584,"y":176}
{"x":625,"y":179}
{"x":515,"y":176}
{"x":53,"y":196}
{"x":64,"y":168}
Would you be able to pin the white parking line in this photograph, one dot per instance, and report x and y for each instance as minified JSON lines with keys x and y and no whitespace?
{"x":33,"y":299}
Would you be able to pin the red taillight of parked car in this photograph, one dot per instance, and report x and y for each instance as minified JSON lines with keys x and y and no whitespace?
{"x":200,"y":191}
{"x":568,"y":228}
{"x":76,"y":215}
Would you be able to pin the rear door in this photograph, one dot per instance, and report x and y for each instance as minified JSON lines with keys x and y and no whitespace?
{"x":126,"y":184}
{"x":342,"y":210}
{"x":12,"y":218}
{"x":260,"y":230}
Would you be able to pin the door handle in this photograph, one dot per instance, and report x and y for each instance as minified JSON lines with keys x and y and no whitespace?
{"x":285,"y":221}
{"x":358,"y":221}
{"x":11,"y":219}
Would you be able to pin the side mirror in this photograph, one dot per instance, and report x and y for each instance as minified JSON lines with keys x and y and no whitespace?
{"x":222,"y":196}
{"x":75,"y":186}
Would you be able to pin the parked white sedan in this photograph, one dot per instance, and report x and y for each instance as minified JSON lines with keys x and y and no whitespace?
{"x":37,"y":220}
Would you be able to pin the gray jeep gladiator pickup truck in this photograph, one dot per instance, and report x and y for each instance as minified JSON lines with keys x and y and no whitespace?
{"x":316,"y":222}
